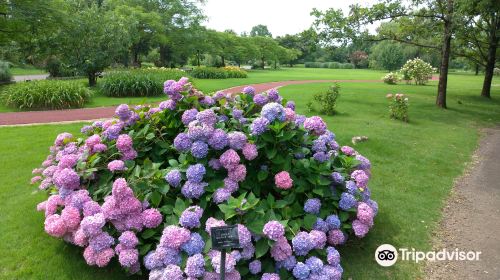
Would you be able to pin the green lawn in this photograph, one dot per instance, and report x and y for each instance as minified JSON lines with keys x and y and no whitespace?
{"x":26,"y":71}
{"x":414,"y":166}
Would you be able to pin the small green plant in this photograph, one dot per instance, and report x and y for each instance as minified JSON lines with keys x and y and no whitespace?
{"x":391,"y":78}
{"x":45,"y":95}
{"x":5,"y":75}
{"x":327,"y":101}
{"x":138,"y":83}
{"x":310,"y":106}
{"x":398,"y":106}
{"x":218,"y":73}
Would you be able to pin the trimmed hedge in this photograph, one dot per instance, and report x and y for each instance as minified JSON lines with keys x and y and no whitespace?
{"x":331,"y":65}
{"x":218,"y":73}
{"x":45,"y":95}
{"x":138,"y":83}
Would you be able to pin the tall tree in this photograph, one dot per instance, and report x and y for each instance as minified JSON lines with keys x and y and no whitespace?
{"x":411,"y":15}
{"x":260,"y":30}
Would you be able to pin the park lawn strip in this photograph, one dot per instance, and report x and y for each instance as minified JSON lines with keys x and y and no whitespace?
{"x":413,"y":169}
{"x":26,"y":71}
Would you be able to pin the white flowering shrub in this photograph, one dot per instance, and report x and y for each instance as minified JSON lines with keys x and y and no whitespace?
{"x":391,"y":78}
{"x":417,"y":70}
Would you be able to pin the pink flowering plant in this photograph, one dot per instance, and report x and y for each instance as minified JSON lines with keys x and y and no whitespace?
{"x":145,"y":188}
{"x":398,"y":106}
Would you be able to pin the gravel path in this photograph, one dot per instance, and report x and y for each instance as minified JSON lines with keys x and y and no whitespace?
{"x":471,"y":218}
{"x":75,"y":115}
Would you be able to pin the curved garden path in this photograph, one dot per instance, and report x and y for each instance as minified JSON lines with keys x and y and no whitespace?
{"x":85,"y":114}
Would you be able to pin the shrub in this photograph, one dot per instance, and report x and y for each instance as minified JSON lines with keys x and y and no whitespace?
{"x":57,"y":69}
{"x":417,"y":70}
{"x":391,"y":78}
{"x":45,"y":95}
{"x":328,"y":100}
{"x":346,"y":66}
{"x":149,"y":185}
{"x":137,"y":83}
{"x":5,"y":75}
{"x":496,"y":71}
{"x":398,"y":106}
{"x":334,"y":65}
{"x":218,"y":73}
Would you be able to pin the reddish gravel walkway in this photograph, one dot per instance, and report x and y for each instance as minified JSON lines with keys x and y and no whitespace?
{"x":85,"y":114}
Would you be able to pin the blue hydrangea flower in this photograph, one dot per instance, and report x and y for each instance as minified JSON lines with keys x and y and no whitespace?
{"x":218,"y":140}
{"x":319,"y":146}
{"x":351,"y":187}
{"x":196,"y":172}
{"x":194,"y":245}
{"x":237,"y":140}
{"x":320,"y":225}
{"x":301,"y":271}
{"x":333,"y":222}
{"x":193,"y":190}
{"x":259,"y":126}
{"x":255,"y":267}
{"x":273,"y":111}
{"x":312,"y":206}
{"x":288,"y":264}
{"x":347,"y":201}
{"x":320,"y":156}
{"x":314,"y":264}
{"x":199,"y":149}
{"x":337,"y":178}
{"x":173,"y":178}
{"x":182,"y":143}
{"x":189,"y":116}
{"x":302,"y":244}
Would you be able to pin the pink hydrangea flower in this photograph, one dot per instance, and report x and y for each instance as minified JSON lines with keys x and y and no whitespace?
{"x":347,"y":150}
{"x":174,"y":236}
{"x":283,"y":180}
{"x":54,"y":226}
{"x":281,"y":249}
{"x":151,"y":218}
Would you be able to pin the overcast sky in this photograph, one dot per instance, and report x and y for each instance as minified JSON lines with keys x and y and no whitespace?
{"x":281,"y":16}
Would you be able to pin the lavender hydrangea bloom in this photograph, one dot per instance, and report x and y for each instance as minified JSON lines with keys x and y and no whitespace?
{"x":333,"y":222}
{"x":273,"y":95}
{"x":237,"y":140}
{"x":319,"y":146}
{"x":291,"y":105}
{"x":112,"y":132}
{"x":312,"y":206}
{"x":190,"y":217}
{"x":169,"y":104}
{"x":218,"y":140}
{"x":321,"y":156}
{"x":273,"y":111}
{"x":347,"y":201}
{"x":207,"y":117}
{"x":259,"y":126}
{"x":301,"y":271}
{"x":270,"y":276}
{"x":337,"y":178}
{"x":101,"y":241}
{"x":315,"y":125}
{"x":194,"y":245}
{"x":255,"y":267}
{"x":288,"y":264}
{"x":260,"y":99}
{"x":199,"y":149}
{"x":332,"y":256}
{"x":302,"y":244}
{"x":249,"y":90}
{"x":237,"y":113}
{"x":182,"y":143}
{"x":193,"y":190}
{"x":173,"y":178}
{"x":195,"y":172}
{"x":314,"y":264}
{"x":273,"y":230}
{"x":189,"y":116}
{"x":123,"y":112}
{"x":351,"y":187}
{"x":195,"y":266}
{"x":221,"y":195}
{"x":320,"y":225}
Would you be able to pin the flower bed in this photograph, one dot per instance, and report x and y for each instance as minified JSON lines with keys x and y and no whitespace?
{"x":146,"y":187}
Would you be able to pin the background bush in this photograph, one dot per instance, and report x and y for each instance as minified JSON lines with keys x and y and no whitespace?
{"x":138,"y":83}
{"x":327,"y":101}
{"x":5,"y":75}
{"x":331,"y":65}
{"x":218,"y":73}
{"x":45,"y":95}
{"x":417,"y":70}
{"x":391,"y":78}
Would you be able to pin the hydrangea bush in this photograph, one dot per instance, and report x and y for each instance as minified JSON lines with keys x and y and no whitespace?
{"x":146,"y":187}
{"x":417,"y":70}
{"x":398,"y":106}
{"x":391,"y":78}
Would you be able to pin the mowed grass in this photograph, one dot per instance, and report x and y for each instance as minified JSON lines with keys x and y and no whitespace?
{"x":254,"y":76}
{"x":413,"y":168}
{"x":26,"y":71}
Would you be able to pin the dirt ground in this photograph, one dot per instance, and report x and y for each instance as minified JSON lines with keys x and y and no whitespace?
{"x":471,"y":217}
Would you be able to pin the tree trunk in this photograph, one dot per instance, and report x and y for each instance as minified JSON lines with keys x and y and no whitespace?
{"x":92,"y":79}
{"x":223,"y":62}
{"x":262,"y":63}
{"x":477,"y":69}
{"x":490,"y":64}
{"x":198,"y":57}
{"x":445,"y":57}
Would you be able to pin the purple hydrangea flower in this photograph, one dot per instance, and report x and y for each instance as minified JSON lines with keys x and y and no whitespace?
{"x":315,"y":125}
{"x":314,"y":264}
{"x":189,"y":116}
{"x":182,"y":143}
{"x":301,"y":271}
{"x":332,"y":256}
{"x":190,"y":217}
{"x":214,"y":164}
{"x":195,"y":172}
{"x":259,"y":126}
{"x":195,"y":266}
{"x":319,"y":146}
{"x":218,"y":140}
{"x":288,"y":264}
{"x":273,"y":230}
{"x":336,"y":237}
{"x":116,"y":165}
{"x":221,"y":195}
{"x":194,"y":245}
{"x":229,"y":159}
{"x":260,"y":99}
{"x":281,"y":250}
{"x":320,"y":225}
{"x":321,"y":156}
{"x":237,"y":140}
{"x":249,"y":90}
{"x":291,"y":105}
{"x":193,"y":190}
{"x":333,"y":222}
{"x":255,"y":267}
{"x":173,"y":178}
{"x":169,"y":104}
{"x":347,"y":201}
{"x":250,"y":151}
{"x":337,"y":178}
{"x":274,"y":95}
{"x":128,"y":239}
{"x":199,"y":149}
{"x":351,"y":187}
{"x":312,"y":206}
{"x":151,"y":218}
{"x":237,"y":113}
{"x":123,"y":112}
{"x":273,"y":111}
{"x":360,"y":229}
{"x":302,"y":243}
{"x":207,"y":117}
{"x":101,"y":241}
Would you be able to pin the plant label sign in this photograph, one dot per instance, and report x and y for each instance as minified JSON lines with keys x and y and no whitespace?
{"x":225,"y":237}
